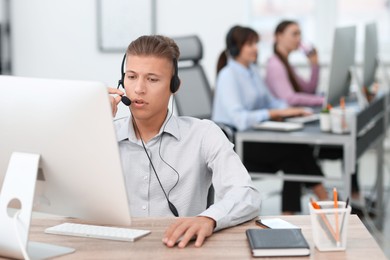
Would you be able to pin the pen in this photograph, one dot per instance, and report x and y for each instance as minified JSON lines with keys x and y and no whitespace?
{"x":343,"y":119}
{"x":336,"y":215}
{"x":328,"y":228}
{"x":261,"y":224}
{"x":342,"y":221}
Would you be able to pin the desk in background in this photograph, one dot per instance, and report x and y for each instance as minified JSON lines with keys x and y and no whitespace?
{"x":368,"y":131}
{"x":230,"y":243}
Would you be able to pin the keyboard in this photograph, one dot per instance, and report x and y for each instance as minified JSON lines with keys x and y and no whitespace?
{"x":101,"y":232}
{"x":277,"y":126}
{"x":304,"y":119}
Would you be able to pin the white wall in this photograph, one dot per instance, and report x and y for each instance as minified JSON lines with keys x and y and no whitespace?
{"x":58,"y":39}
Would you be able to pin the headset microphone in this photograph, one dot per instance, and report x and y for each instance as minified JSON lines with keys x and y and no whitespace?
{"x":125,"y":100}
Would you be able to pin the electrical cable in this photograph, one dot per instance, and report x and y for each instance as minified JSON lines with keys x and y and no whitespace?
{"x":159,"y":148}
{"x":170,"y":205}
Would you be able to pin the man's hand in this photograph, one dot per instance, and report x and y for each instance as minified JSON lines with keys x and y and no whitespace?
{"x":188,"y":228}
{"x":114,"y":100}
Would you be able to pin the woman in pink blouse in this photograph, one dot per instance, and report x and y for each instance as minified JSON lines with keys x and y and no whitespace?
{"x":281,"y":77}
{"x":284,"y":83}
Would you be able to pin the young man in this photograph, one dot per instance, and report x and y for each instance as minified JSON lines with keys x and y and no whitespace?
{"x":169,"y":162}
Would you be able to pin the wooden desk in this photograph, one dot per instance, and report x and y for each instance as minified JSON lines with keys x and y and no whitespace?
{"x":230,"y":243}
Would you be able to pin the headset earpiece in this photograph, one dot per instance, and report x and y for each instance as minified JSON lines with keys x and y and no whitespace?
{"x":231,"y":44}
{"x":175,"y":81}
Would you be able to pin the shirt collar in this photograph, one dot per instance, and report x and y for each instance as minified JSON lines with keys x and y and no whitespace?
{"x":125,"y":129}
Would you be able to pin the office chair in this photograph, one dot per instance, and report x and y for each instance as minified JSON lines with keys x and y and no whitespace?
{"x":195,"y":96}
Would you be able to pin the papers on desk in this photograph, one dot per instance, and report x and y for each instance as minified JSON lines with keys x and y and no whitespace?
{"x":304,"y":119}
{"x":278,"y":126}
{"x":276,"y":223}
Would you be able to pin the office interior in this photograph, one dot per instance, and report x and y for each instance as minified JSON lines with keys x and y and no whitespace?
{"x":67,"y":40}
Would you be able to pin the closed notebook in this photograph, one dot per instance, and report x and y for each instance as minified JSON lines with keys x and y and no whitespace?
{"x":277,"y":242}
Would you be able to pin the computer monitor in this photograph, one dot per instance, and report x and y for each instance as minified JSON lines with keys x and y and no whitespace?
{"x":343,"y":58}
{"x":370,"y":62}
{"x":68,"y":126}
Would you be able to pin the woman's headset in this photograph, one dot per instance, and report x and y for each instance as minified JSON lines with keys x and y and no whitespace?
{"x":231,"y":43}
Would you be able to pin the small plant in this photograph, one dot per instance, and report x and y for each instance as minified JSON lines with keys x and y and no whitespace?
{"x":326,"y":109}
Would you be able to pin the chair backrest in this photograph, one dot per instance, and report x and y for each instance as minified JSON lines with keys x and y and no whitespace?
{"x":195,"y":95}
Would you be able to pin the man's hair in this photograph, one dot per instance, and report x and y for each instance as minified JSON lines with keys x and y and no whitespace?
{"x":154,"y":45}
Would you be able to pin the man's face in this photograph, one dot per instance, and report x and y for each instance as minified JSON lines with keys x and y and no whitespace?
{"x":147,"y":84}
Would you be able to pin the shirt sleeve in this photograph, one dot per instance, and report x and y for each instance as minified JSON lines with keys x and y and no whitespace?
{"x":279,"y":84}
{"x":237,"y":200}
{"x":309,"y":86}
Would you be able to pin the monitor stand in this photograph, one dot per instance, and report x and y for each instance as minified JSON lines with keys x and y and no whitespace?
{"x":358,"y":88}
{"x":19,"y":187}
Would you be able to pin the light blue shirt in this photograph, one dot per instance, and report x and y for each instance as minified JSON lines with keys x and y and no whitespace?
{"x":241,"y":98}
{"x":200,"y":154}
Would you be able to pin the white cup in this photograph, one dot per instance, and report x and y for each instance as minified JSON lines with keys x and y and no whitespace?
{"x":325,"y":123}
{"x":341,"y":120}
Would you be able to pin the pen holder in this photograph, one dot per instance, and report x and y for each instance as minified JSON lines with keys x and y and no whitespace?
{"x":341,"y":120}
{"x":330,"y":225}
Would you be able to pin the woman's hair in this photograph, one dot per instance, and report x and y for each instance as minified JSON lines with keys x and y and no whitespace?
{"x":154,"y":45}
{"x":280,"y":29}
{"x":237,"y":37}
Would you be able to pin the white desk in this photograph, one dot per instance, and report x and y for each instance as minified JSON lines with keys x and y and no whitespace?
{"x":368,"y":131}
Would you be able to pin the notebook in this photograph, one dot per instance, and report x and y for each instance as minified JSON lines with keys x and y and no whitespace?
{"x":277,"y":242}
{"x":278,"y":126}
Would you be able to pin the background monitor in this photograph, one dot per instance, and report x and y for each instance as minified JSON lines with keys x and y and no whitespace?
{"x":69,"y":124}
{"x":370,"y":62}
{"x":343,"y":58}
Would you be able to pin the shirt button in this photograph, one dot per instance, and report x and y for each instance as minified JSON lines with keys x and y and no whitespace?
{"x":143,"y":207}
{"x":145,"y":177}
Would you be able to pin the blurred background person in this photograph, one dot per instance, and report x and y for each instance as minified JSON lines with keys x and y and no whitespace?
{"x":241,"y":99}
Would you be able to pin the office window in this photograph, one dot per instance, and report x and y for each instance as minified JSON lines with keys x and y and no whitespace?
{"x":266,"y":14}
{"x":361,"y":11}
{"x":317,"y":19}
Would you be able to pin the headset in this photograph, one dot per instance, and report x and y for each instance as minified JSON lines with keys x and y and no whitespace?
{"x":231,"y":43}
{"x":175,"y":80}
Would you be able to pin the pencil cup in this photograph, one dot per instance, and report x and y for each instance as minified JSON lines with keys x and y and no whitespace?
{"x":330,"y":225}
{"x":341,"y":120}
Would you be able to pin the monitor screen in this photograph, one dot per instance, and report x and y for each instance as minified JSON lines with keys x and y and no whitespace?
{"x":370,"y":62}
{"x":343,"y":58}
{"x":70,"y":125}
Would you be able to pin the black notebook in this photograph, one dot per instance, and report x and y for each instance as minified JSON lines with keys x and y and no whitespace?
{"x":277,"y":242}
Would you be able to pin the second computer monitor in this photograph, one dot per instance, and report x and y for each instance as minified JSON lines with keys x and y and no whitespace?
{"x":343,"y":58}
{"x":370,"y":63}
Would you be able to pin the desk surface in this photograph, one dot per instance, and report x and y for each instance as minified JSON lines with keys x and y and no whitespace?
{"x":311,"y":133}
{"x":230,"y":243}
